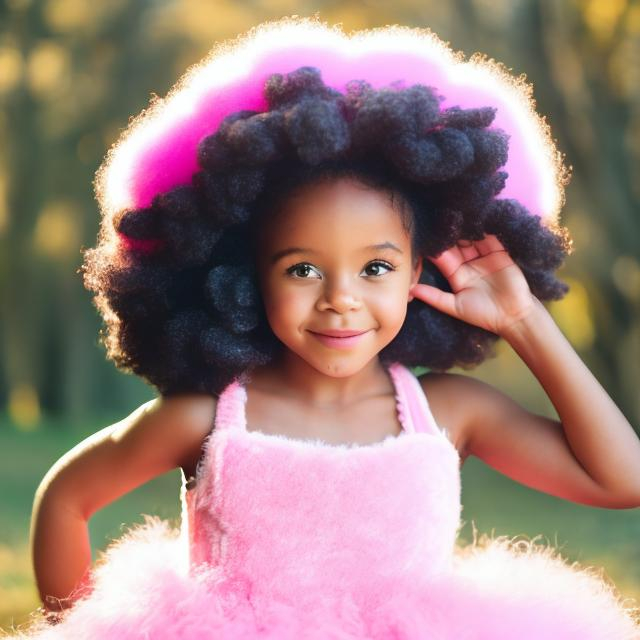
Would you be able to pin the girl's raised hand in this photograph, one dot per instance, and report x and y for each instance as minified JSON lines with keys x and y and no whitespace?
{"x":489,"y":289}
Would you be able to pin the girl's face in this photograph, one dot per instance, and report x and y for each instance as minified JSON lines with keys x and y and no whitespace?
{"x":336,"y":257}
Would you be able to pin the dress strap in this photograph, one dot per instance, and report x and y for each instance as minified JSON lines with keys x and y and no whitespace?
{"x":227,"y":416}
{"x":418,"y":416}
{"x":402,"y":401}
{"x":230,"y":406}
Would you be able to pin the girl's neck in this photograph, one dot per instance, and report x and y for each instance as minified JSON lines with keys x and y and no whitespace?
{"x":291,"y":376}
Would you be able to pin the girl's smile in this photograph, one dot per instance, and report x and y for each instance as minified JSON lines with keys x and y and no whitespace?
{"x":346,"y":341}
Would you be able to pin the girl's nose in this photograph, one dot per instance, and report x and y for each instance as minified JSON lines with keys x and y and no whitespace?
{"x":340,"y":295}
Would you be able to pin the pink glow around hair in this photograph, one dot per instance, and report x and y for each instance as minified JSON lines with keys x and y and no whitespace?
{"x":158,"y":150}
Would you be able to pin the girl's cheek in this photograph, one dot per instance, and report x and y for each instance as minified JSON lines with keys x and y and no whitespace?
{"x":392,"y":306}
{"x":289,"y":305}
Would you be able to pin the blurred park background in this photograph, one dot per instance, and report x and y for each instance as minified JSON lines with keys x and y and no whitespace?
{"x":72,"y":72}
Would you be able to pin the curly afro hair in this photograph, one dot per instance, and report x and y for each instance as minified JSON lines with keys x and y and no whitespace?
{"x":179,"y":293}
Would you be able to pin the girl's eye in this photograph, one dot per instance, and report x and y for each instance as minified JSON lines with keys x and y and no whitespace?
{"x":300,"y":270}
{"x":376,"y":264}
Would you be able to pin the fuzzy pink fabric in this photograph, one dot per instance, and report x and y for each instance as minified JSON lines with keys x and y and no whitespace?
{"x":290,"y":539}
{"x":157,"y":150}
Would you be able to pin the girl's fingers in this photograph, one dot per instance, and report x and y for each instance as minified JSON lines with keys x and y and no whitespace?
{"x":448,"y":261}
{"x":468,"y":251}
{"x":489,"y":244}
{"x":437,"y":298}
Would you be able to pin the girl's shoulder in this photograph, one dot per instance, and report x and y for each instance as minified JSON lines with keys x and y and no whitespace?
{"x":194,"y":417}
{"x":451,"y":400}
{"x":167,"y":432}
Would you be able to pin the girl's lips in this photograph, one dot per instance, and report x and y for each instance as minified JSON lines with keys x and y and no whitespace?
{"x":339,"y":343}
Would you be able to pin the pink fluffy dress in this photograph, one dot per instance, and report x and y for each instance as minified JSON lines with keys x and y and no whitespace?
{"x":283,"y":538}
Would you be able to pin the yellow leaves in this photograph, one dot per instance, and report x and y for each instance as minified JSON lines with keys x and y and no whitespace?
{"x":24,"y":406}
{"x":626,"y":276}
{"x":349,"y":15}
{"x":282,"y":7}
{"x":56,"y":233}
{"x":602,"y":17}
{"x":201,"y":20}
{"x":67,"y":15}
{"x":48,"y":69}
{"x":78,"y":16}
{"x":12,"y":65}
{"x":574,"y":315}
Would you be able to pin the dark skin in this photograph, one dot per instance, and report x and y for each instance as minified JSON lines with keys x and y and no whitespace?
{"x":591,"y":455}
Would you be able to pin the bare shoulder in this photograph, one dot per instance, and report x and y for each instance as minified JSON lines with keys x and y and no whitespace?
{"x":183,"y":423}
{"x":158,"y":436}
{"x":204,"y":408}
{"x":453,"y":398}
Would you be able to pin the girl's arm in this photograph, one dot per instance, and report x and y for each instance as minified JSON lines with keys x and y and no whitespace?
{"x":592,"y":455}
{"x":600,"y":436}
{"x":159,"y":436}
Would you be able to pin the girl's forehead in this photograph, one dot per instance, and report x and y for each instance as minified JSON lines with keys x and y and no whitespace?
{"x":338,"y":204}
{"x":333,"y":236}
{"x":336,"y":190}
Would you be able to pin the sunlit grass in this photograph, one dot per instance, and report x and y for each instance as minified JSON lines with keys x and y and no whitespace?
{"x":18,"y":594}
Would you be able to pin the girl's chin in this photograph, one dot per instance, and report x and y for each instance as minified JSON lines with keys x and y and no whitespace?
{"x":341,"y":365}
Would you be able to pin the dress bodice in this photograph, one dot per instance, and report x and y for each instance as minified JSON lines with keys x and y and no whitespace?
{"x":282,"y":514}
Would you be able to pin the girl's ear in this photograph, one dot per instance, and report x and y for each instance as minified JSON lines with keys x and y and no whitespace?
{"x":415,"y":276}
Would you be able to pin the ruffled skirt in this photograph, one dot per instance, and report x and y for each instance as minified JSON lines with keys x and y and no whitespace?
{"x":499,"y":589}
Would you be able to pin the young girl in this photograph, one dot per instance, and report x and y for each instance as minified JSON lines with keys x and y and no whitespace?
{"x":303,"y":219}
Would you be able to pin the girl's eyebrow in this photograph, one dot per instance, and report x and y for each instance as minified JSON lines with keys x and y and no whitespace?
{"x":376,"y":247}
